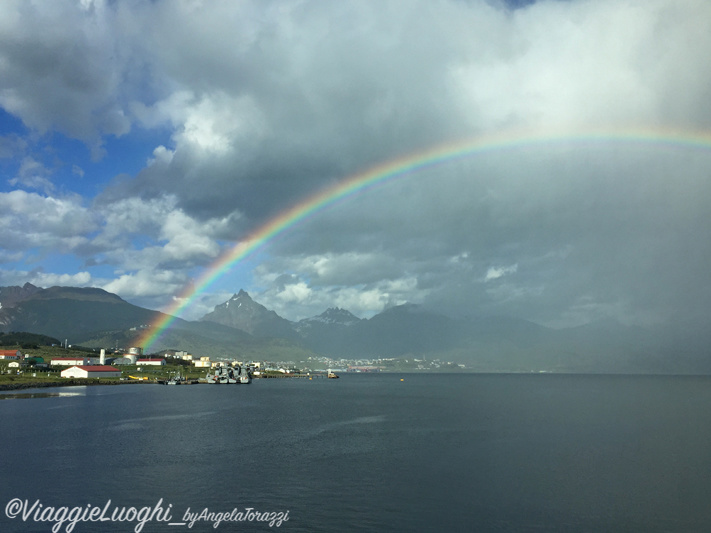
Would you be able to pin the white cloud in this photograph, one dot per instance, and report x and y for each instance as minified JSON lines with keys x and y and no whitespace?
{"x":187,"y":238}
{"x":498,"y":272}
{"x":80,"y":279}
{"x":161,"y":156}
{"x":577,"y":64}
{"x":78,"y":171}
{"x":296,"y":299}
{"x":45,"y":279}
{"x":33,"y":175}
{"x":167,"y":232}
{"x":28,"y":220}
{"x":296,"y":293}
{"x":146,"y":283}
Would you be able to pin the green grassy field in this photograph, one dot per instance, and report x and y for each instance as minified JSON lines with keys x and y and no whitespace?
{"x":12,"y":378}
{"x":43,"y":378}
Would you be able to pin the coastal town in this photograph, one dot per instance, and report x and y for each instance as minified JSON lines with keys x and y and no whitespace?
{"x":18,"y":366}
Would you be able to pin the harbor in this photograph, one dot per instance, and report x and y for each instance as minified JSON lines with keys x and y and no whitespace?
{"x":60,"y":367}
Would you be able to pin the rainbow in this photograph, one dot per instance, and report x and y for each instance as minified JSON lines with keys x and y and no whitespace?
{"x":397,"y":168}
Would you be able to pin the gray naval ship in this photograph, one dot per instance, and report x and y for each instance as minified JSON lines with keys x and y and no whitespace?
{"x":229,"y":375}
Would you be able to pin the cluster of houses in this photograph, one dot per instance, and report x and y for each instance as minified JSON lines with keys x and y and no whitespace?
{"x":17,"y":360}
{"x":80,"y":367}
{"x":93,"y":367}
{"x":102,"y":366}
{"x":206,"y":362}
{"x":107,"y":367}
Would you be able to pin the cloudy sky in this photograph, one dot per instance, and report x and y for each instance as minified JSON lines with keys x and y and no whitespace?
{"x":140,"y":140}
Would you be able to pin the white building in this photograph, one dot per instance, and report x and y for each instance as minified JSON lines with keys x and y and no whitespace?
{"x":86,"y":371}
{"x":150,"y":362}
{"x":69,"y":361}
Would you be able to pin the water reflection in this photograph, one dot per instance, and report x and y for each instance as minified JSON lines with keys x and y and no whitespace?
{"x":21,"y":395}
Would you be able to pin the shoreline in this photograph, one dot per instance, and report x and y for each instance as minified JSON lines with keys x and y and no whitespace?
{"x":81,"y":382}
{"x":71,"y":382}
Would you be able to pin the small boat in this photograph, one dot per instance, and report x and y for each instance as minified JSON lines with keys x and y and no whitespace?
{"x":332,"y":375}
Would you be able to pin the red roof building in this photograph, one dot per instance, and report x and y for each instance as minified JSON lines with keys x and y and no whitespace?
{"x":91,"y":371}
{"x":10,"y":355}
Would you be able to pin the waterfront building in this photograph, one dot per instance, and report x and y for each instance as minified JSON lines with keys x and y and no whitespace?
{"x":90,"y":371}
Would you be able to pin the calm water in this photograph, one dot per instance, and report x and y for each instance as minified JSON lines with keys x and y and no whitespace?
{"x":374,"y":453}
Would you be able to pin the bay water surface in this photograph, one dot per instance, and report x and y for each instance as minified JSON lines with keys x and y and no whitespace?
{"x":371,"y":452}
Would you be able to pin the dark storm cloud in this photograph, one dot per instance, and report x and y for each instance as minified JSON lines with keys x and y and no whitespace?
{"x":594,"y":225}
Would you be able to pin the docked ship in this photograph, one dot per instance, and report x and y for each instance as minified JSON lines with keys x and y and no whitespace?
{"x":244,"y":375}
{"x":229,"y":375}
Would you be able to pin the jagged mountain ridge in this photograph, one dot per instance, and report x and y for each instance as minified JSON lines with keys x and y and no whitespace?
{"x":96,"y":318}
{"x":241,"y":312}
{"x":494,"y":343}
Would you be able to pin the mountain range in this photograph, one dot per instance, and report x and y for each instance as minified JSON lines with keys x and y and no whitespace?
{"x":241,"y":327}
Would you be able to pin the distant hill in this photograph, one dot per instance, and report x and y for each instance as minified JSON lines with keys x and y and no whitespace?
{"x":243,"y":328}
{"x":329,"y":331}
{"x":333,"y":316}
{"x":26,"y":340}
{"x":64,"y":312}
